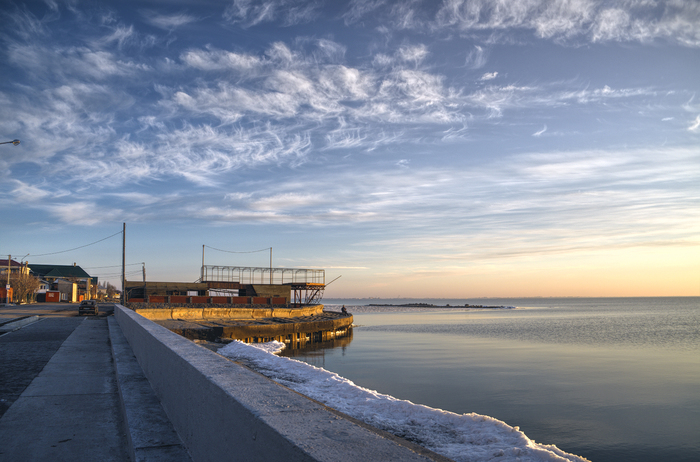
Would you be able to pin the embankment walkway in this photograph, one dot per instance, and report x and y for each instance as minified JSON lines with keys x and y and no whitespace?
{"x":61,"y":397}
{"x":121,"y":387}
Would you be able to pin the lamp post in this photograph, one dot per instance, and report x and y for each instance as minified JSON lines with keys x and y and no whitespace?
{"x":7,"y":286}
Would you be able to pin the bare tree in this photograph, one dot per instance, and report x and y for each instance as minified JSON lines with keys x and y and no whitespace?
{"x":111,"y":290}
{"x":24,"y":286}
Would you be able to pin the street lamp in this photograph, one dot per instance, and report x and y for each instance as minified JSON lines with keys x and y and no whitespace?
{"x":15,"y":142}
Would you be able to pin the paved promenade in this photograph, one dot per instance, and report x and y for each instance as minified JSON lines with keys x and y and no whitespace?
{"x":62,"y":398}
{"x":71,"y":389}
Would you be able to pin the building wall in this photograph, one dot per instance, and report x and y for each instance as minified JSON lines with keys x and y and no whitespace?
{"x":69,"y":290}
{"x":273,"y":291}
{"x":5,"y":294}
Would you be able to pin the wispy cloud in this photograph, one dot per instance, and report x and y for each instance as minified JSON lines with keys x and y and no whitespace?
{"x":302,"y":89}
{"x":80,"y":213}
{"x":523,"y":192}
{"x":695,"y":125}
{"x":498,"y":98}
{"x":28,"y":193}
{"x":167,"y":21}
{"x":71,"y":62}
{"x":563,"y":21}
{"x":358,"y":9}
{"x":282,"y":106}
{"x":540,"y":132}
{"x":217,"y":60}
{"x":476,"y":59}
{"x":414,"y":54}
{"x":253,"y":12}
{"x":615,"y":197}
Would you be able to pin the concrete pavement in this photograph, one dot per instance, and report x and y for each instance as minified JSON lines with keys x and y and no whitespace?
{"x":74,"y":391}
{"x":25,"y":352}
{"x":66,"y":385}
{"x":41,"y":309}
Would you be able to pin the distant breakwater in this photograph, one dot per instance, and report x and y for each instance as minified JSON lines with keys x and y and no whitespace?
{"x":430,"y":305}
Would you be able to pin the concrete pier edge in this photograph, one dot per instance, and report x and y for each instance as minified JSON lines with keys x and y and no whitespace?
{"x":156,"y":312}
{"x":223,"y":410}
{"x":150,"y":434}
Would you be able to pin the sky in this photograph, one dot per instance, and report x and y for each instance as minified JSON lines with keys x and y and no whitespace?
{"x":442,"y":149}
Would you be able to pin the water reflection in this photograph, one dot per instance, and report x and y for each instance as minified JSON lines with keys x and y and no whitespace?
{"x":606,"y":381}
{"x":315,"y":353}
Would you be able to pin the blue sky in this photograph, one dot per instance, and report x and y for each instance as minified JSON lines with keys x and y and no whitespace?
{"x":417,"y":148}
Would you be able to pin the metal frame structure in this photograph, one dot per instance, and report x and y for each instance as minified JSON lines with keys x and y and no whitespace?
{"x":307,"y":285}
{"x":307,"y":294}
{"x":258,"y":275}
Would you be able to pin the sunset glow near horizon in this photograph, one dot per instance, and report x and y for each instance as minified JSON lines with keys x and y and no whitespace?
{"x":453,"y":149}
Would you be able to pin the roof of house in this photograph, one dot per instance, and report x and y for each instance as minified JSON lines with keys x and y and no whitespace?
{"x":58,"y":271}
{"x":3,"y":264}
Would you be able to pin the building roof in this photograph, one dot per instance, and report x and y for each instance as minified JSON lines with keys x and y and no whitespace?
{"x":13,"y":264}
{"x":59,"y":271}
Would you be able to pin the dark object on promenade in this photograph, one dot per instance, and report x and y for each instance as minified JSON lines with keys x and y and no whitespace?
{"x":88,"y":306}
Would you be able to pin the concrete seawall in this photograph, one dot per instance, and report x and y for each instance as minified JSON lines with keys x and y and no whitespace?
{"x":223,"y":411}
{"x":189,"y":313}
{"x":293,"y":326}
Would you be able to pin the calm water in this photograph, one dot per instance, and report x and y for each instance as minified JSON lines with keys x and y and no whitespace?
{"x":607,"y":379}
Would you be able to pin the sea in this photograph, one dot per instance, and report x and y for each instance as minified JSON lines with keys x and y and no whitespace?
{"x":608,"y":379}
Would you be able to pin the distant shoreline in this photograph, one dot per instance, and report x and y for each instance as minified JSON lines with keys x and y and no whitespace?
{"x":430,"y":305}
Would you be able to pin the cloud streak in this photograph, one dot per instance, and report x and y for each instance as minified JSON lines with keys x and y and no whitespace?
{"x":695,"y":125}
{"x":251,"y":13}
{"x":593,"y":21}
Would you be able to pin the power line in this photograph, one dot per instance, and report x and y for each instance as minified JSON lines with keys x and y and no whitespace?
{"x":82,"y":246}
{"x":232,"y":251}
{"x":113,"y":266}
{"x":106,"y":275}
{"x":114,"y":272}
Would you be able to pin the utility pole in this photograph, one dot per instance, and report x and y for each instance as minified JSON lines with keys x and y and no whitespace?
{"x":123,"y":263}
{"x":270,"y":265}
{"x":145,"y":294}
{"x":7,"y":286}
{"x":201,"y":278}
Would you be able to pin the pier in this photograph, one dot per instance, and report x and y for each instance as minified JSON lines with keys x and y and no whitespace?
{"x":294,"y":326}
{"x":250,"y":304}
